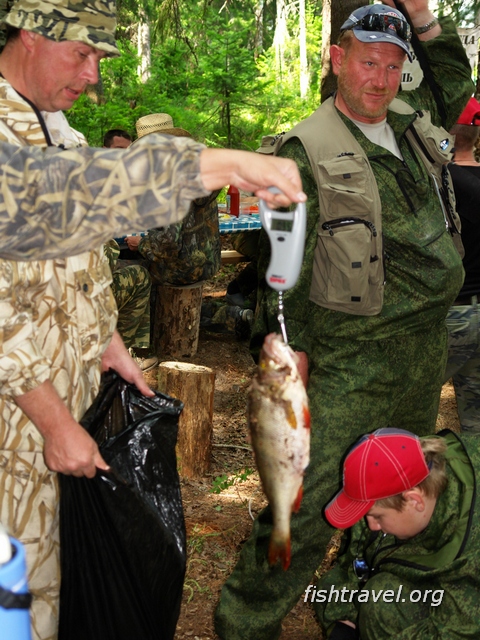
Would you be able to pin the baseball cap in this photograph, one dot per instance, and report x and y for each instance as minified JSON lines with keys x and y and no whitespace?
{"x":380,"y":465}
{"x":90,"y":21}
{"x":379,"y":23}
{"x":471,"y":114}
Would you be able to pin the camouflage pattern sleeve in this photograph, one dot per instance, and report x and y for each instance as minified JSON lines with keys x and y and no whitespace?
{"x":452,"y":73}
{"x":62,"y":202}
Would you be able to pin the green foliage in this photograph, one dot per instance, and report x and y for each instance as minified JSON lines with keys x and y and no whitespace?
{"x":207,"y":72}
{"x":225,"y":482}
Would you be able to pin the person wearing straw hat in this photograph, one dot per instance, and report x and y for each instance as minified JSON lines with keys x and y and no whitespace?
{"x":184,"y":253}
{"x":463,"y":319}
{"x":410,"y":566}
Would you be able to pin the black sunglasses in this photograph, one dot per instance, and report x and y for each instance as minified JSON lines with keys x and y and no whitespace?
{"x":385,"y":23}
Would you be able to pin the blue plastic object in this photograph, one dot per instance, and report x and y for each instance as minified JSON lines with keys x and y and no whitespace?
{"x":15,"y":599}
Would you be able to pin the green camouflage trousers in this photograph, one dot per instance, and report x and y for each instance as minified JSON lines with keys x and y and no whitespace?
{"x":463,"y":324}
{"x":355,"y":387}
{"x":131,"y":288}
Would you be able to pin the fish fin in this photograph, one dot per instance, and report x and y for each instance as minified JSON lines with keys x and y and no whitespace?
{"x":306,"y":416}
{"x":279,"y":549}
{"x":298,"y":499}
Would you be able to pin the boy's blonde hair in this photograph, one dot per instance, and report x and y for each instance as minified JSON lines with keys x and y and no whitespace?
{"x":434,"y":484}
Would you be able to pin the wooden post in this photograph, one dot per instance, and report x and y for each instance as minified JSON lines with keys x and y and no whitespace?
{"x":194,"y":386}
{"x":176,"y":321}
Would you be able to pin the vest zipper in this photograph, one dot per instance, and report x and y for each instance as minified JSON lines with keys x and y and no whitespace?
{"x":345,"y":222}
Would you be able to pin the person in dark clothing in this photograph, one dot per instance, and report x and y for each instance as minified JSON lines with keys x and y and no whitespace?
{"x":463,"y":319}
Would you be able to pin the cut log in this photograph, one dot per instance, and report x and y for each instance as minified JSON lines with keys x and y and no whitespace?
{"x":176,"y":321}
{"x":230,"y":256}
{"x":194,"y":386}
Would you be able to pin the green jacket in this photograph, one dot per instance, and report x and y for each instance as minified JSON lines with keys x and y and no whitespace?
{"x":422,"y":268}
{"x":446,"y":555}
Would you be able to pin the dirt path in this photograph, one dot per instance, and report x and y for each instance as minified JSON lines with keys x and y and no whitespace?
{"x":220,"y":507}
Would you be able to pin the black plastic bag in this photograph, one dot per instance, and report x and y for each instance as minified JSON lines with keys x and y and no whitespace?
{"x":122,"y":534}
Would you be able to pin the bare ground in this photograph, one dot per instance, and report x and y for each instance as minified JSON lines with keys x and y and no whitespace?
{"x":219,"y":508}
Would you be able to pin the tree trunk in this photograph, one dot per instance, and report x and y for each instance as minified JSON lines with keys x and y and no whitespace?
{"x":303,"y":51}
{"x":334,"y":15}
{"x":176,"y":321}
{"x":194,"y":386}
{"x":281,"y":35}
{"x":143,"y":49}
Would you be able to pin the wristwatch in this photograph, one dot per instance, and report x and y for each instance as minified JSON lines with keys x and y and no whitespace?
{"x":426,"y":27}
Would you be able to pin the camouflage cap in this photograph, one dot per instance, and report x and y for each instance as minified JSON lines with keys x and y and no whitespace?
{"x":90,"y":21}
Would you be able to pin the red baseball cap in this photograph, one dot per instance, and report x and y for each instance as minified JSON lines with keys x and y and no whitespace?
{"x":380,"y":465}
{"x":471,"y":114}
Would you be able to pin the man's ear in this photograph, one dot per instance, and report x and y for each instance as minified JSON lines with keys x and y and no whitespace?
{"x":337,"y":55}
{"x":28,"y":39}
{"x":415,"y":498}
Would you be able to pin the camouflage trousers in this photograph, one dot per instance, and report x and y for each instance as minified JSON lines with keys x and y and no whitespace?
{"x":131,"y":288}
{"x":355,"y":387}
{"x":463,"y":324}
{"x":29,"y":511}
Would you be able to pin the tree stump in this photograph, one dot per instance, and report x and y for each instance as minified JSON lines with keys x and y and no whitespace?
{"x":194,"y":386}
{"x":176,"y":321}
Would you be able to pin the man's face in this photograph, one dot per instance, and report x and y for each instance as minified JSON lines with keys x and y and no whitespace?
{"x":119,"y":142}
{"x":58,"y":72}
{"x":369,"y":77}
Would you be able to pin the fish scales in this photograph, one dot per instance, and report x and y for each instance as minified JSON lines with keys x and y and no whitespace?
{"x":279,"y":421}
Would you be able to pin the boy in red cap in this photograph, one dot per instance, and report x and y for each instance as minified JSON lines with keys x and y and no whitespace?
{"x":410,"y":567}
{"x":463,"y":319}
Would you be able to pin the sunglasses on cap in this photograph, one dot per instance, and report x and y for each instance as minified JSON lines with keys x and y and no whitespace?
{"x":385,"y":24}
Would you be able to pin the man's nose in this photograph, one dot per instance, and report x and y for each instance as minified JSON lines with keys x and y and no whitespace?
{"x":90,"y":70}
{"x":380,"y":78}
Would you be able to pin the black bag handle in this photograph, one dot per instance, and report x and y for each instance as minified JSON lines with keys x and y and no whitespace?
{"x":425,"y":65}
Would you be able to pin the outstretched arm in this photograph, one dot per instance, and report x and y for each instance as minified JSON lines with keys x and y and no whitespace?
{"x":56,"y":203}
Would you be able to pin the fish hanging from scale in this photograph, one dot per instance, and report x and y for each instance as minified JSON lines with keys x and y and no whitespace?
{"x":278,"y":412}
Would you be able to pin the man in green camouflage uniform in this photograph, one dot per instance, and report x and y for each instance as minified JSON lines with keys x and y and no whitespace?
{"x":411,"y":567}
{"x":131,"y":285}
{"x":185,"y":253}
{"x":364,"y":372}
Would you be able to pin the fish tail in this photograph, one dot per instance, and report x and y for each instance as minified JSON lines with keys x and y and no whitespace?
{"x":279,"y":549}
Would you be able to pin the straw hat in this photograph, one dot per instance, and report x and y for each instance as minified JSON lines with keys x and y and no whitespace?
{"x":159,"y":123}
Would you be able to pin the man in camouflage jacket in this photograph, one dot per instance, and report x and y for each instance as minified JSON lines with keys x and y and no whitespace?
{"x":57,"y":317}
{"x":364,"y":372}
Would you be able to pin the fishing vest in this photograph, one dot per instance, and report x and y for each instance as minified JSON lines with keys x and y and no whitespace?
{"x":348,"y":269}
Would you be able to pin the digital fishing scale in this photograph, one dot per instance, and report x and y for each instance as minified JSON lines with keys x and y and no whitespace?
{"x":286,"y":232}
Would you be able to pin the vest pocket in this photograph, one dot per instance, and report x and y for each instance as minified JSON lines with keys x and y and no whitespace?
{"x":348,"y":264}
{"x":344,"y":258}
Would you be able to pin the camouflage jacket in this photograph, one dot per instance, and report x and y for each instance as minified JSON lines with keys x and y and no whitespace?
{"x":56,"y":316}
{"x":423,"y":271}
{"x":55,"y":203}
{"x":446,"y":555}
{"x":188,"y":252}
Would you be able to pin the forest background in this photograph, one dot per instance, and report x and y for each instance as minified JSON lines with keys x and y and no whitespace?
{"x":228,"y":71}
